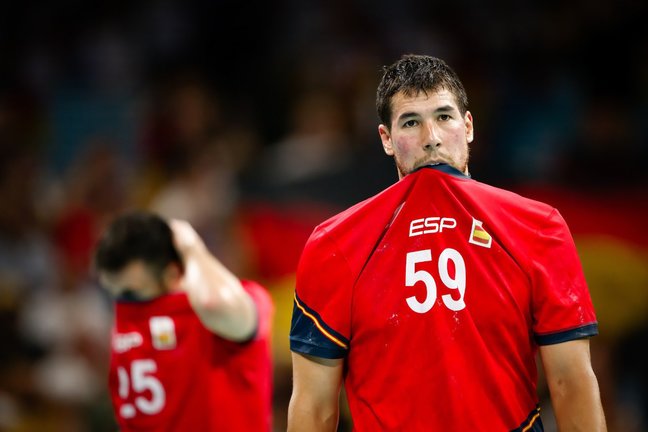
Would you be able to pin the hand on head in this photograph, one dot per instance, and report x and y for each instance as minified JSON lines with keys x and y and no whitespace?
{"x":185,"y":237}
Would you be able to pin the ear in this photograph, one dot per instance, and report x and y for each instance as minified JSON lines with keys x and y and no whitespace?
{"x":172,"y":277}
{"x":385,"y":137}
{"x":468,"y":121}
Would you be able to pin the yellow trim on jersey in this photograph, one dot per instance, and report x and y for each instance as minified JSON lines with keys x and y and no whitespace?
{"x":533,"y":419}
{"x":319,"y":326}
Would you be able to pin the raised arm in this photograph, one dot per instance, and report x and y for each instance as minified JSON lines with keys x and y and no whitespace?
{"x":314,"y":404}
{"x":573,"y":386}
{"x":216,"y":295}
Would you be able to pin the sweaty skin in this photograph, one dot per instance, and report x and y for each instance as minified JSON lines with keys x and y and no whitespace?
{"x":427,"y":128}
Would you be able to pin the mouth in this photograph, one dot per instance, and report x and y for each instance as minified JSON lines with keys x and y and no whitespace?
{"x":425,"y":162}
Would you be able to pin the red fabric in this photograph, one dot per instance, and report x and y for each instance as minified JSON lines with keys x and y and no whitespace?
{"x":187,"y":378}
{"x":466,"y":360}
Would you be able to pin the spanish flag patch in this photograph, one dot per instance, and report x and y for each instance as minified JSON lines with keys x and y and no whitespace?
{"x":163,"y":334}
{"x":479,"y":236}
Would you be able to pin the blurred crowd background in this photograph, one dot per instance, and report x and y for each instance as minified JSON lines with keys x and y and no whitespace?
{"x":256,"y":120}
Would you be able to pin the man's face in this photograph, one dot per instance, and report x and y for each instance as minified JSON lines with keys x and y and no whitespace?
{"x":427,"y":129}
{"x":136,"y":281}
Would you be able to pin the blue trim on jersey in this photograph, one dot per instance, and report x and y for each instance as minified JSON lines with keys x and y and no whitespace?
{"x":447,"y":169}
{"x":567,"y":335}
{"x":307,"y":338}
{"x":533,"y":422}
{"x":130,"y":296}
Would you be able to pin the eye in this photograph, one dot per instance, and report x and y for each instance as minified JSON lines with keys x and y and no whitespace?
{"x":410,"y":123}
{"x":444,"y":117}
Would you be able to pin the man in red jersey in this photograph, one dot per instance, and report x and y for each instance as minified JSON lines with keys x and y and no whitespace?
{"x":431,"y":299}
{"x":190,"y":343}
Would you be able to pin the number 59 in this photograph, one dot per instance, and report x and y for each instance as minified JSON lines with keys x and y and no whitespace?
{"x":412,"y":276}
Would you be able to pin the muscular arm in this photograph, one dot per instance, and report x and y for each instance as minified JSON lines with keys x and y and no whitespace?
{"x":573,"y":386}
{"x":314,"y":404}
{"x":216,"y":295}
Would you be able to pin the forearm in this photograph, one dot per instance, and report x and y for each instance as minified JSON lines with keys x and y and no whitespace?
{"x":314,"y":403}
{"x":303,"y":416}
{"x":207,"y":282}
{"x":577,"y":404}
{"x":217,"y":295}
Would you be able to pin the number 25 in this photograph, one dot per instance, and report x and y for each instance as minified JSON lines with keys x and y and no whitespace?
{"x":141,"y":380}
{"x":412,"y":276}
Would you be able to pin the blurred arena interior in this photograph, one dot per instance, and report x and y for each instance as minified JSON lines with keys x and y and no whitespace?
{"x":256,"y":121}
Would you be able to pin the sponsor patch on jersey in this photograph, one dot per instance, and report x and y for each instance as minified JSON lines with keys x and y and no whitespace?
{"x":123,"y":342}
{"x":163,"y":333}
{"x":479,"y":236}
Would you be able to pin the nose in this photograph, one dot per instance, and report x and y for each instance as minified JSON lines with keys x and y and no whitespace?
{"x":432,"y":138}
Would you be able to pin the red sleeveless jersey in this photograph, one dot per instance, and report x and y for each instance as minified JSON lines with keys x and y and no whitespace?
{"x":438,"y":292}
{"x":170,"y":373}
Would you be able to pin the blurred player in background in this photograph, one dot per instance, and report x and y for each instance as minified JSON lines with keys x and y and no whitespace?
{"x":190,"y":343}
{"x":431,"y":299}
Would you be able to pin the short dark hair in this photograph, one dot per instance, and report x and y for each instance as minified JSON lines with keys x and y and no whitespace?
{"x":413,"y":74}
{"x":136,"y":235}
